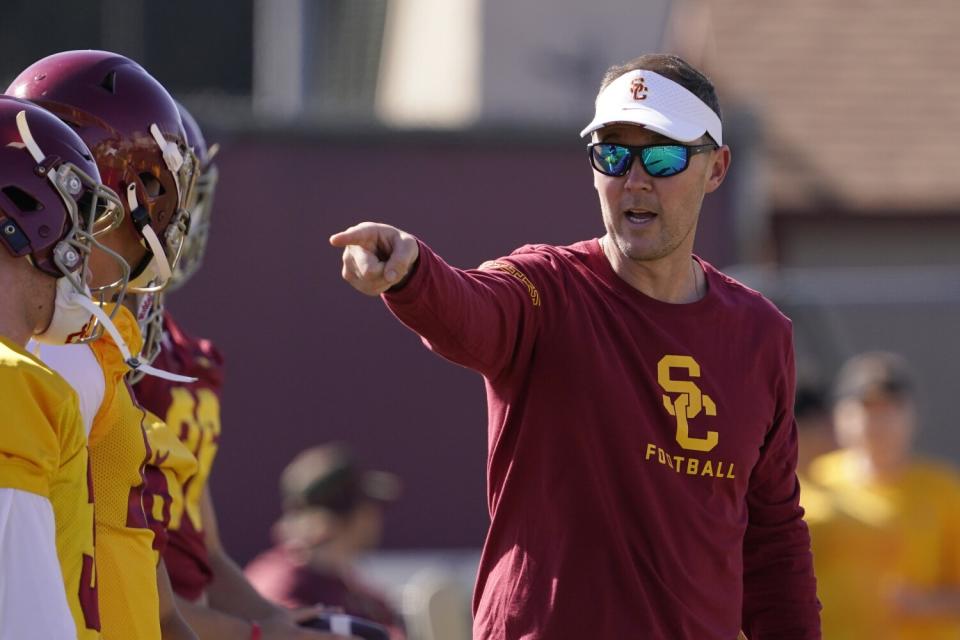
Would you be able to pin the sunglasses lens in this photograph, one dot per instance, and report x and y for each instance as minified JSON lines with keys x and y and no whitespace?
{"x":664,"y":160}
{"x":612,"y":159}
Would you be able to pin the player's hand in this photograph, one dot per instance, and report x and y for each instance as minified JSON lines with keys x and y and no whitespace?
{"x":303,"y":614}
{"x":375,"y":256}
{"x":912,"y":602}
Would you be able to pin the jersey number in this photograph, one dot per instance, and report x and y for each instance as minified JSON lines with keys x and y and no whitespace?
{"x":196,"y":420}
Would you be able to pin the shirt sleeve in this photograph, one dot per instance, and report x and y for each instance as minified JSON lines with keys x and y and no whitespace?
{"x":779,"y":588}
{"x":33,"y":603}
{"x":30,"y":446}
{"x":484,"y":319}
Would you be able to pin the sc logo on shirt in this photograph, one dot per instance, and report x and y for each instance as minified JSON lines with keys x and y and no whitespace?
{"x":690,"y":402}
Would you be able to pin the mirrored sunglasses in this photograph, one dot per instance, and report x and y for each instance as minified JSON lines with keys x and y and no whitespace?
{"x":658,"y":160}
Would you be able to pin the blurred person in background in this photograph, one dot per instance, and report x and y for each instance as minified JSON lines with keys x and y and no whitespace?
{"x":825,"y":517}
{"x":642,"y":446}
{"x":332,"y":513}
{"x":211,"y":591}
{"x":815,"y":435}
{"x":886,"y":541}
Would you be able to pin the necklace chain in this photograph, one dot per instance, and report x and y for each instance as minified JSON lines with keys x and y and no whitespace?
{"x":696,"y":281}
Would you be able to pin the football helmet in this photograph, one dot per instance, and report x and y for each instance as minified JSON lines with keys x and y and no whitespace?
{"x":132,"y":127}
{"x":199,"y":201}
{"x":52,"y":204}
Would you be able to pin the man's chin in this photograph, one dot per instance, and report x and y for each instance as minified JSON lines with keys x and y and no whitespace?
{"x":637,"y":252}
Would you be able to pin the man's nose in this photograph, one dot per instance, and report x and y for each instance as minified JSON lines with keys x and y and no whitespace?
{"x":637,"y":179}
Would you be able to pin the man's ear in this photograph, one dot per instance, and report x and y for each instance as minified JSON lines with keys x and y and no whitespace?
{"x":720,"y":163}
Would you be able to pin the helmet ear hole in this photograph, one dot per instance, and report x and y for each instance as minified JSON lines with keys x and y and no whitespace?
{"x":25,"y":202}
{"x":152,"y":186}
{"x":109,"y":82}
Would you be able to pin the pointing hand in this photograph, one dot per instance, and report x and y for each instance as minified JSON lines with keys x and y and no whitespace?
{"x":375,"y":256}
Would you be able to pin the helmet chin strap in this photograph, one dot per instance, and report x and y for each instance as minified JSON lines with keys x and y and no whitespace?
{"x":160,"y":264}
{"x":132,"y":362}
{"x":171,"y":155}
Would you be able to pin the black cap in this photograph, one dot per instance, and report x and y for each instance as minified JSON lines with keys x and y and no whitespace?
{"x":810,"y":400}
{"x":876,"y":373}
{"x":327,"y":477}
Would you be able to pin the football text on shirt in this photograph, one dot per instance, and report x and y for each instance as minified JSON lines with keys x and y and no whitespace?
{"x":687,"y":405}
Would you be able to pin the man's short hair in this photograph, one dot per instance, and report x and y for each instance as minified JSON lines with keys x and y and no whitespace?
{"x":673,"y":67}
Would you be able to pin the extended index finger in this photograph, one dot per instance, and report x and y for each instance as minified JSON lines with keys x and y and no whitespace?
{"x":364,"y":234}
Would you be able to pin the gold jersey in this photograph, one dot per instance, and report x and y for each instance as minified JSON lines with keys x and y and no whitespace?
{"x":43,"y":451}
{"x":126,"y":561}
{"x":192,"y":412}
{"x":169,"y":471}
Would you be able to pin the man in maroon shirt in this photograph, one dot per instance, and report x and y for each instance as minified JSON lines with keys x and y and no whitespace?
{"x":332,"y":514}
{"x":642,"y":446}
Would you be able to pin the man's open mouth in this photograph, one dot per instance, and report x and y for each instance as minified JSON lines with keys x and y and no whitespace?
{"x":639,"y":216}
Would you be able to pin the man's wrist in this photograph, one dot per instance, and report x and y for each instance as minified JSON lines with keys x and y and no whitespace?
{"x":406,"y":277}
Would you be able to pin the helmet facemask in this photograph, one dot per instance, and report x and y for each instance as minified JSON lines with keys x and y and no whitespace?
{"x":150,"y":309}
{"x":163,"y":250}
{"x":200,"y":206}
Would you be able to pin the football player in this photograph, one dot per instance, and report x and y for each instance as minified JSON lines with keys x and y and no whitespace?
{"x":51,"y":206}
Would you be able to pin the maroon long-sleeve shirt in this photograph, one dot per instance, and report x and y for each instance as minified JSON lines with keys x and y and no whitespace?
{"x":641,"y":470}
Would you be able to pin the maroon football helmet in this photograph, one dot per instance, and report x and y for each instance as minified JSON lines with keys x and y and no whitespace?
{"x":51,"y":201}
{"x":132,"y":127}
{"x":199,"y":199}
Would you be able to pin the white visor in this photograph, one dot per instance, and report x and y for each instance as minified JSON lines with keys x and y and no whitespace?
{"x":650,"y":100}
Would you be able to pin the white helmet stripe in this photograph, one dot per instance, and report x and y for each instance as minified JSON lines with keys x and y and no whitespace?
{"x":171,"y":157}
{"x":27,"y":138}
{"x":171,"y":154}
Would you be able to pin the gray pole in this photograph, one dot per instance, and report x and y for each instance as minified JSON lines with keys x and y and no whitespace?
{"x":278,"y":50}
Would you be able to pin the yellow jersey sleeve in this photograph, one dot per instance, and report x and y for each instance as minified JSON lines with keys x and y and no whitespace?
{"x":39,"y":410}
